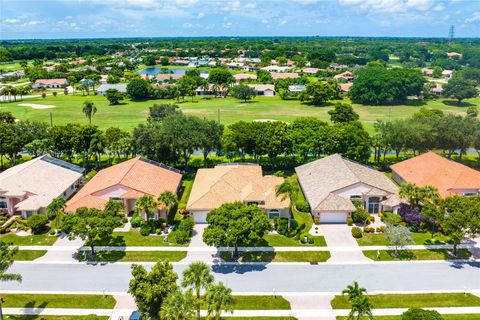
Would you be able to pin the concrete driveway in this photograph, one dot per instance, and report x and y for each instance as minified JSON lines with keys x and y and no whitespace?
{"x":340,"y":235}
{"x":197,"y":242}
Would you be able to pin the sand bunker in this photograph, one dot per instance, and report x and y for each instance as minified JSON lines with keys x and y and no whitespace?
{"x":36,"y":106}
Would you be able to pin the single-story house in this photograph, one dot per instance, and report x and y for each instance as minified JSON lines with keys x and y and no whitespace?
{"x":336,"y":66}
{"x":310,"y":70}
{"x":121,"y":87}
{"x":454,"y":55}
{"x":284,"y":75}
{"x":448,"y":176}
{"x":50,"y":83}
{"x":331,"y":183}
{"x":28,"y":188}
{"x":427,"y":72}
{"x":267,"y":90}
{"x":126,"y":182}
{"x":447,"y":74}
{"x":297,"y":88}
{"x":277,"y":68}
{"x":234,"y":182}
{"x":438,"y":89}
{"x":168,"y":76}
{"x":181,"y":62}
{"x":239,"y":77}
{"x":346,"y":76}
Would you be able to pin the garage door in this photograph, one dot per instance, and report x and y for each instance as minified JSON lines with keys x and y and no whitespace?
{"x":200,"y":216}
{"x":333,"y":217}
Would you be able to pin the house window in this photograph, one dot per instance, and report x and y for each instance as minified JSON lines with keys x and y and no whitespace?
{"x":117,"y":199}
{"x":29,"y":213}
{"x":373,"y":204}
{"x":3,"y":203}
{"x":274,"y":213}
{"x":470,"y":194}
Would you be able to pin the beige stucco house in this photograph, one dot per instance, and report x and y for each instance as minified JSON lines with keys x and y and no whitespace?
{"x":331,"y":183}
{"x":30,"y":187}
{"x":234,"y":182}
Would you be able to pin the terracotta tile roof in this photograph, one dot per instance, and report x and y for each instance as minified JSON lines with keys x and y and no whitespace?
{"x":235,"y":182}
{"x":432,"y":169}
{"x":284,"y":75}
{"x":136,"y":177}
{"x":47,"y":82}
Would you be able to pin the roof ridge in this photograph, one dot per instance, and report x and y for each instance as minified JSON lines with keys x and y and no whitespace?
{"x":134,"y":162}
{"x":214,"y":184}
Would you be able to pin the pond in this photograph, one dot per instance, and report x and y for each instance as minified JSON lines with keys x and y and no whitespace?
{"x":152,"y":71}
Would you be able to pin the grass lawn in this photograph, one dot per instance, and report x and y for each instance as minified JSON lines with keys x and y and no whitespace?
{"x":279,"y":256}
{"x":82,"y":301}
{"x":139,"y":256}
{"x":33,"y":240}
{"x":134,"y":238}
{"x":261,"y":318}
{"x":129,"y":114}
{"x":431,"y":300}
{"x":187,"y":184}
{"x":28,"y":255}
{"x":379,"y":239}
{"x":444,"y":316}
{"x":438,"y":254}
{"x":43,"y":317}
{"x":277,"y":240}
{"x":259,"y":303}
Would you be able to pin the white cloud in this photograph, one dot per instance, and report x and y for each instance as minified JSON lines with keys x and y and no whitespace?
{"x":11,"y":21}
{"x":250,"y":5}
{"x":474,"y":18}
{"x":439,"y":7}
{"x":388,"y":6}
{"x":306,"y":2}
{"x":186,"y":3}
{"x":200,"y":15}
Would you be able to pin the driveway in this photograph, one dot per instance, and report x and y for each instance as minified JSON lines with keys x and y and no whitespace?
{"x":340,"y":235}
{"x":197,"y":242}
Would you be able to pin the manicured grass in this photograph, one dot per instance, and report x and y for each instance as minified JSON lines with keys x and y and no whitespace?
{"x":259,"y":303}
{"x":138,"y":256}
{"x":134,"y":238}
{"x":43,"y":317}
{"x":260,"y":318}
{"x":379,"y":239}
{"x":438,"y":254}
{"x":81,"y":301}
{"x":278,"y":256}
{"x":28,"y":255}
{"x":426,"y":300}
{"x":33,"y":240}
{"x":277,"y":240}
{"x":444,"y":316}
{"x":187,"y":184}
{"x":129,"y":114}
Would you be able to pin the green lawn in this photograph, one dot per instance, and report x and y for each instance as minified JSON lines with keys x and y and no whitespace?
{"x":33,"y":240}
{"x":277,"y":240}
{"x":28,"y":255}
{"x":82,"y":301}
{"x":134,"y":238}
{"x":138,"y":256}
{"x":438,"y":254}
{"x":379,"y":239}
{"x":259,"y":303}
{"x":263,"y":318}
{"x":128,"y":115}
{"x":444,"y":316}
{"x":43,"y":317}
{"x":413,"y":300}
{"x":187,"y":184}
{"x":278,"y":256}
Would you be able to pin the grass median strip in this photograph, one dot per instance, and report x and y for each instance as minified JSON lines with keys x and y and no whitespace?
{"x":426,"y":300}
{"x":44,"y":317}
{"x":444,"y":316}
{"x":423,"y":254}
{"x":276,"y":240}
{"x":278,"y":256}
{"x":136,"y":256}
{"x":259,"y":303}
{"x":28,"y":255}
{"x":80,"y":301}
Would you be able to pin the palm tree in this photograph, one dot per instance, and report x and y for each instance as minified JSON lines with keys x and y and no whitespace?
{"x":409,"y":191}
{"x":6,"y":260}
{"x":168,"y":199}
{"x":178,"y":306}
{"x":146,"y":204}
{"x":89,"y":110}
{"x":218,"y":298}
{"x":55,"y":209}
{"x":197,"y":276}
{"x":354,"y":291}
{"x":287,"y":189}
{"x":97,"y":146}
{"x":360,"y":307}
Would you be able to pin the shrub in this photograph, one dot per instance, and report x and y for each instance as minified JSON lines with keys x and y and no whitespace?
{"x":361,"y":216}
{"x":391,"y":218}
{"x":356,"y":232}
{"x":349,"y":221}
{"x":37,"y":223}
{"x":306,"y":238}
{"x":371,"y":218}
{"x":124,"y":219}
{"x":357,"y":203}
{"x":90,"y":175}
{"x":136,"y":221}
{"x":420,"y":314}
{"x":283,"y":227}
{"x":145,"y":229}
{"x":368,"y":229}
{"x":302,"y":206}
{"x":411,"y":215}
{"x":186,"y":225}
{"x":381,"y":229}
{"x":179,"y":237}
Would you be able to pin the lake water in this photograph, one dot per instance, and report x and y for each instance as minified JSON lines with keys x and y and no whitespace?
{"x":154,"y":70}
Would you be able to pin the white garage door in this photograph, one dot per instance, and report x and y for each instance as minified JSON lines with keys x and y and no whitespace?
{"x":333,"y":217}
{"x":200,"y":216}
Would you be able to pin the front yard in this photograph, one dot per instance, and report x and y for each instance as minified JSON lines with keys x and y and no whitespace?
{"x":420,"y":238}
{"x":33,"y":240}
{"x":431,"y":254}
{"x":278,"y":256}
{"x":444,"y":316}
{"x":134,"y":238}
{"x":81,"y":301}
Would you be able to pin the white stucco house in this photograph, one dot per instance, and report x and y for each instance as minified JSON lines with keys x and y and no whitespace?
{"x":30,"y":187}
{"x":331,"y":183}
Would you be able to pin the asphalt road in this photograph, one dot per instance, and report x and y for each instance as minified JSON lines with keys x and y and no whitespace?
{"x":408,"y":276}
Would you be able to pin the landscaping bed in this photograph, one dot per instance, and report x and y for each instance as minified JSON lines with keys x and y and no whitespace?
{"x":80,"y":301}
{"x":278,"y":256}
{"x":430,"y":254}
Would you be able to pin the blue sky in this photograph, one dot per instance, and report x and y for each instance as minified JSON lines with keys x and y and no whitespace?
{"x":27,"y":19}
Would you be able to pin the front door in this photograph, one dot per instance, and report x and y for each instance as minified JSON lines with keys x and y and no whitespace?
{"x":373,"y":205}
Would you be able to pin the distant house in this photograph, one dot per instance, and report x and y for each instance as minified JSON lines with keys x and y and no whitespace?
{"x":28,"y":188}
{"x":180,"y":62}
{"x":336,"y":66}
{"x":228,"y":183}
{"x":103,"y":79}
{"x":454,"y":55}
{"x":277,"y":68}
{"x":239,"y":77}
{"x":284,"y":75}
{"x":345,"y":87}
{"x":448,"y":176}
{"x":104,"y":87}
{"x":438,"y":89}
{"x":267,"y":90}
{"x":126,"y":182}
{"x":161,"y":77}
{"x":427,"y":72}
{"x":331,"y":184}
{"x":447,"y":74}
{"x":297,"y":88}
{"x":310,"y":70}
{"x":346,"y":76}
{"x":50,"y":83}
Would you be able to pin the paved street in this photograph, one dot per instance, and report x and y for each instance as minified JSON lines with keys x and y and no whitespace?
{"x":409,"y":276}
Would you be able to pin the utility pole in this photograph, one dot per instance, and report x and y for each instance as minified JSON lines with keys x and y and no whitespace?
{"x":451,"y":34}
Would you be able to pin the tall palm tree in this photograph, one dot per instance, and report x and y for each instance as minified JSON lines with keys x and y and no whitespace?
{"x":360,"y":307}
{"x":218,"y":298}
{"x":354,"y":291}
{"x":6,"y":260}
{"x":89,"y":110}
{"x":146,"y":204}
{"x":55,"y":209}
{"x":168,"y":199}
{"x":197,"y":276}
{"x":178,"y":306}
{"x":97,"y":146}
{"x":287,"y":189}
{"x":409,"y":191}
